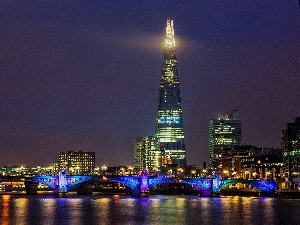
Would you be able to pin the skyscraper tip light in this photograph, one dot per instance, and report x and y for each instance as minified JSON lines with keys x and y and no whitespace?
{"x":170,"y":40}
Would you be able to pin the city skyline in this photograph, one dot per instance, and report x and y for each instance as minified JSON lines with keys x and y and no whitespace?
{"x":85,"y":77}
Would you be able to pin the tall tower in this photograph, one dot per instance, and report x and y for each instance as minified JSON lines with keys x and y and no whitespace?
{"x":169,"y":125}
{"x":224,"y":132}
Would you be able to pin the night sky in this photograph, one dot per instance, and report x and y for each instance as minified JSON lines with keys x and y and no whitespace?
{"x":84,"y":75}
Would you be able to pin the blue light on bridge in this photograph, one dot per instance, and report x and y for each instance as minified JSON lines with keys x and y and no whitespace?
{"x":144,"y":182}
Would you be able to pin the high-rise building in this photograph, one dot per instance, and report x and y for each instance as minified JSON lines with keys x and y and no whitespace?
{"x":145,"y":156}
{"x":291,"y":152}
{"x":77,"y":163}
{"x":224,"y":132}
{"x":169,"y":124}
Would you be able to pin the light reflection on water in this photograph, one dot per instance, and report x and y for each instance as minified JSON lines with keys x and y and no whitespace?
{"x":172,"y":210}
{"x":21,"y":206}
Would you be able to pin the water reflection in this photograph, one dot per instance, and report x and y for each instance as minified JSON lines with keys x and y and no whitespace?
{"x":205,"y":205}
{"x":48,"y":209}
{"x":21,"y":205}
{"x":75,"y":215}
{"x":153,"y":210}
{"x":5,"y":209}
{"x":181,"y":205}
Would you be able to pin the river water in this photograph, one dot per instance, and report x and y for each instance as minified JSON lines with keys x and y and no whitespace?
{"x":171,"y":210}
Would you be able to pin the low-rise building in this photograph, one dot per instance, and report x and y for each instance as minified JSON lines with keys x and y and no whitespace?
{"x":263,"y":164}
{"x":77,"y":163}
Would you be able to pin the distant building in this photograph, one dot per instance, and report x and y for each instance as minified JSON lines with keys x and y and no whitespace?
{"x":26,"y":170}
{"x":77,"y":163}
{"x":228,"y":162}
{"x":145,"y":153}
{"x":264,"y":163}
{"x":291,"y":152}
{"x":224,"y":133}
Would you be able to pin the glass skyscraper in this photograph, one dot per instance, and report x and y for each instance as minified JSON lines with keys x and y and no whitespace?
{"x":224,"y":132}
{"x":169,"y":124}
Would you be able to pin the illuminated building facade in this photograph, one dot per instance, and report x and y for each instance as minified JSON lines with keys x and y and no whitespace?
{"x":264,"y":163}
{"x":77,"y":163}
{"x":169,"y":124}
{"x":291,"y":152}
{"x":145,"y":154}
{"x":229,"y":160}
{"x":224,"y":132}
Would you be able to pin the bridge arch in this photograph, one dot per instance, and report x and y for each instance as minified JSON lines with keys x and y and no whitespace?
{"x":53,"y":181}
{"x":203,"y":184}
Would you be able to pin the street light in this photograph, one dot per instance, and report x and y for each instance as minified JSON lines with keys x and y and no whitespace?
{"x":122,"y":169}
{"x":170,"y":172}
{"x":104,"y":167}
{"x":268,"y":173}
{"x":226,"y":173}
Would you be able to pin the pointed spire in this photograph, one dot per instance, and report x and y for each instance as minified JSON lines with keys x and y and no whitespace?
{"x":170,"y":40}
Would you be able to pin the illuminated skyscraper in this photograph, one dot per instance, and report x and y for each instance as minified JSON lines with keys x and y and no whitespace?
{"x":224,"y":132}
{"x":169,"y":125}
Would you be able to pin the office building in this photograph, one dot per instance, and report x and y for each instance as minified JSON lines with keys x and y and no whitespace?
{"x":77,"y":163}
{"x":145,"y":154}
{"x":225,"y":132}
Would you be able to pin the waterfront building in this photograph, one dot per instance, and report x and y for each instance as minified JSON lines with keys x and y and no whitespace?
{"x":146,"y":155}
{"x":169,"y":123}
{"x":77,"y":163}
{"x":229,"y":160}
{"x":224,"y":132}
{"x":265,"y":163}
{"x":291,"y":152}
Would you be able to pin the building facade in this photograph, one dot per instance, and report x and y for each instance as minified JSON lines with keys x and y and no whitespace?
{"x":146,"y":155}
{"x":77,"y":163}
{"x":263,"y":164}
{"x":224,"y":133}
{"x":291,"y":152}
{"x":169,"y":123}
{"x":229,"y":160}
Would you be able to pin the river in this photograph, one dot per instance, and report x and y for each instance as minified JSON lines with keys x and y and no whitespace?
{"x":171,"y":210}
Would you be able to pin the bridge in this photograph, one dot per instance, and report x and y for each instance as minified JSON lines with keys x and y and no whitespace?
{"x":60,"y":184}
{"x":142,"y":184}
